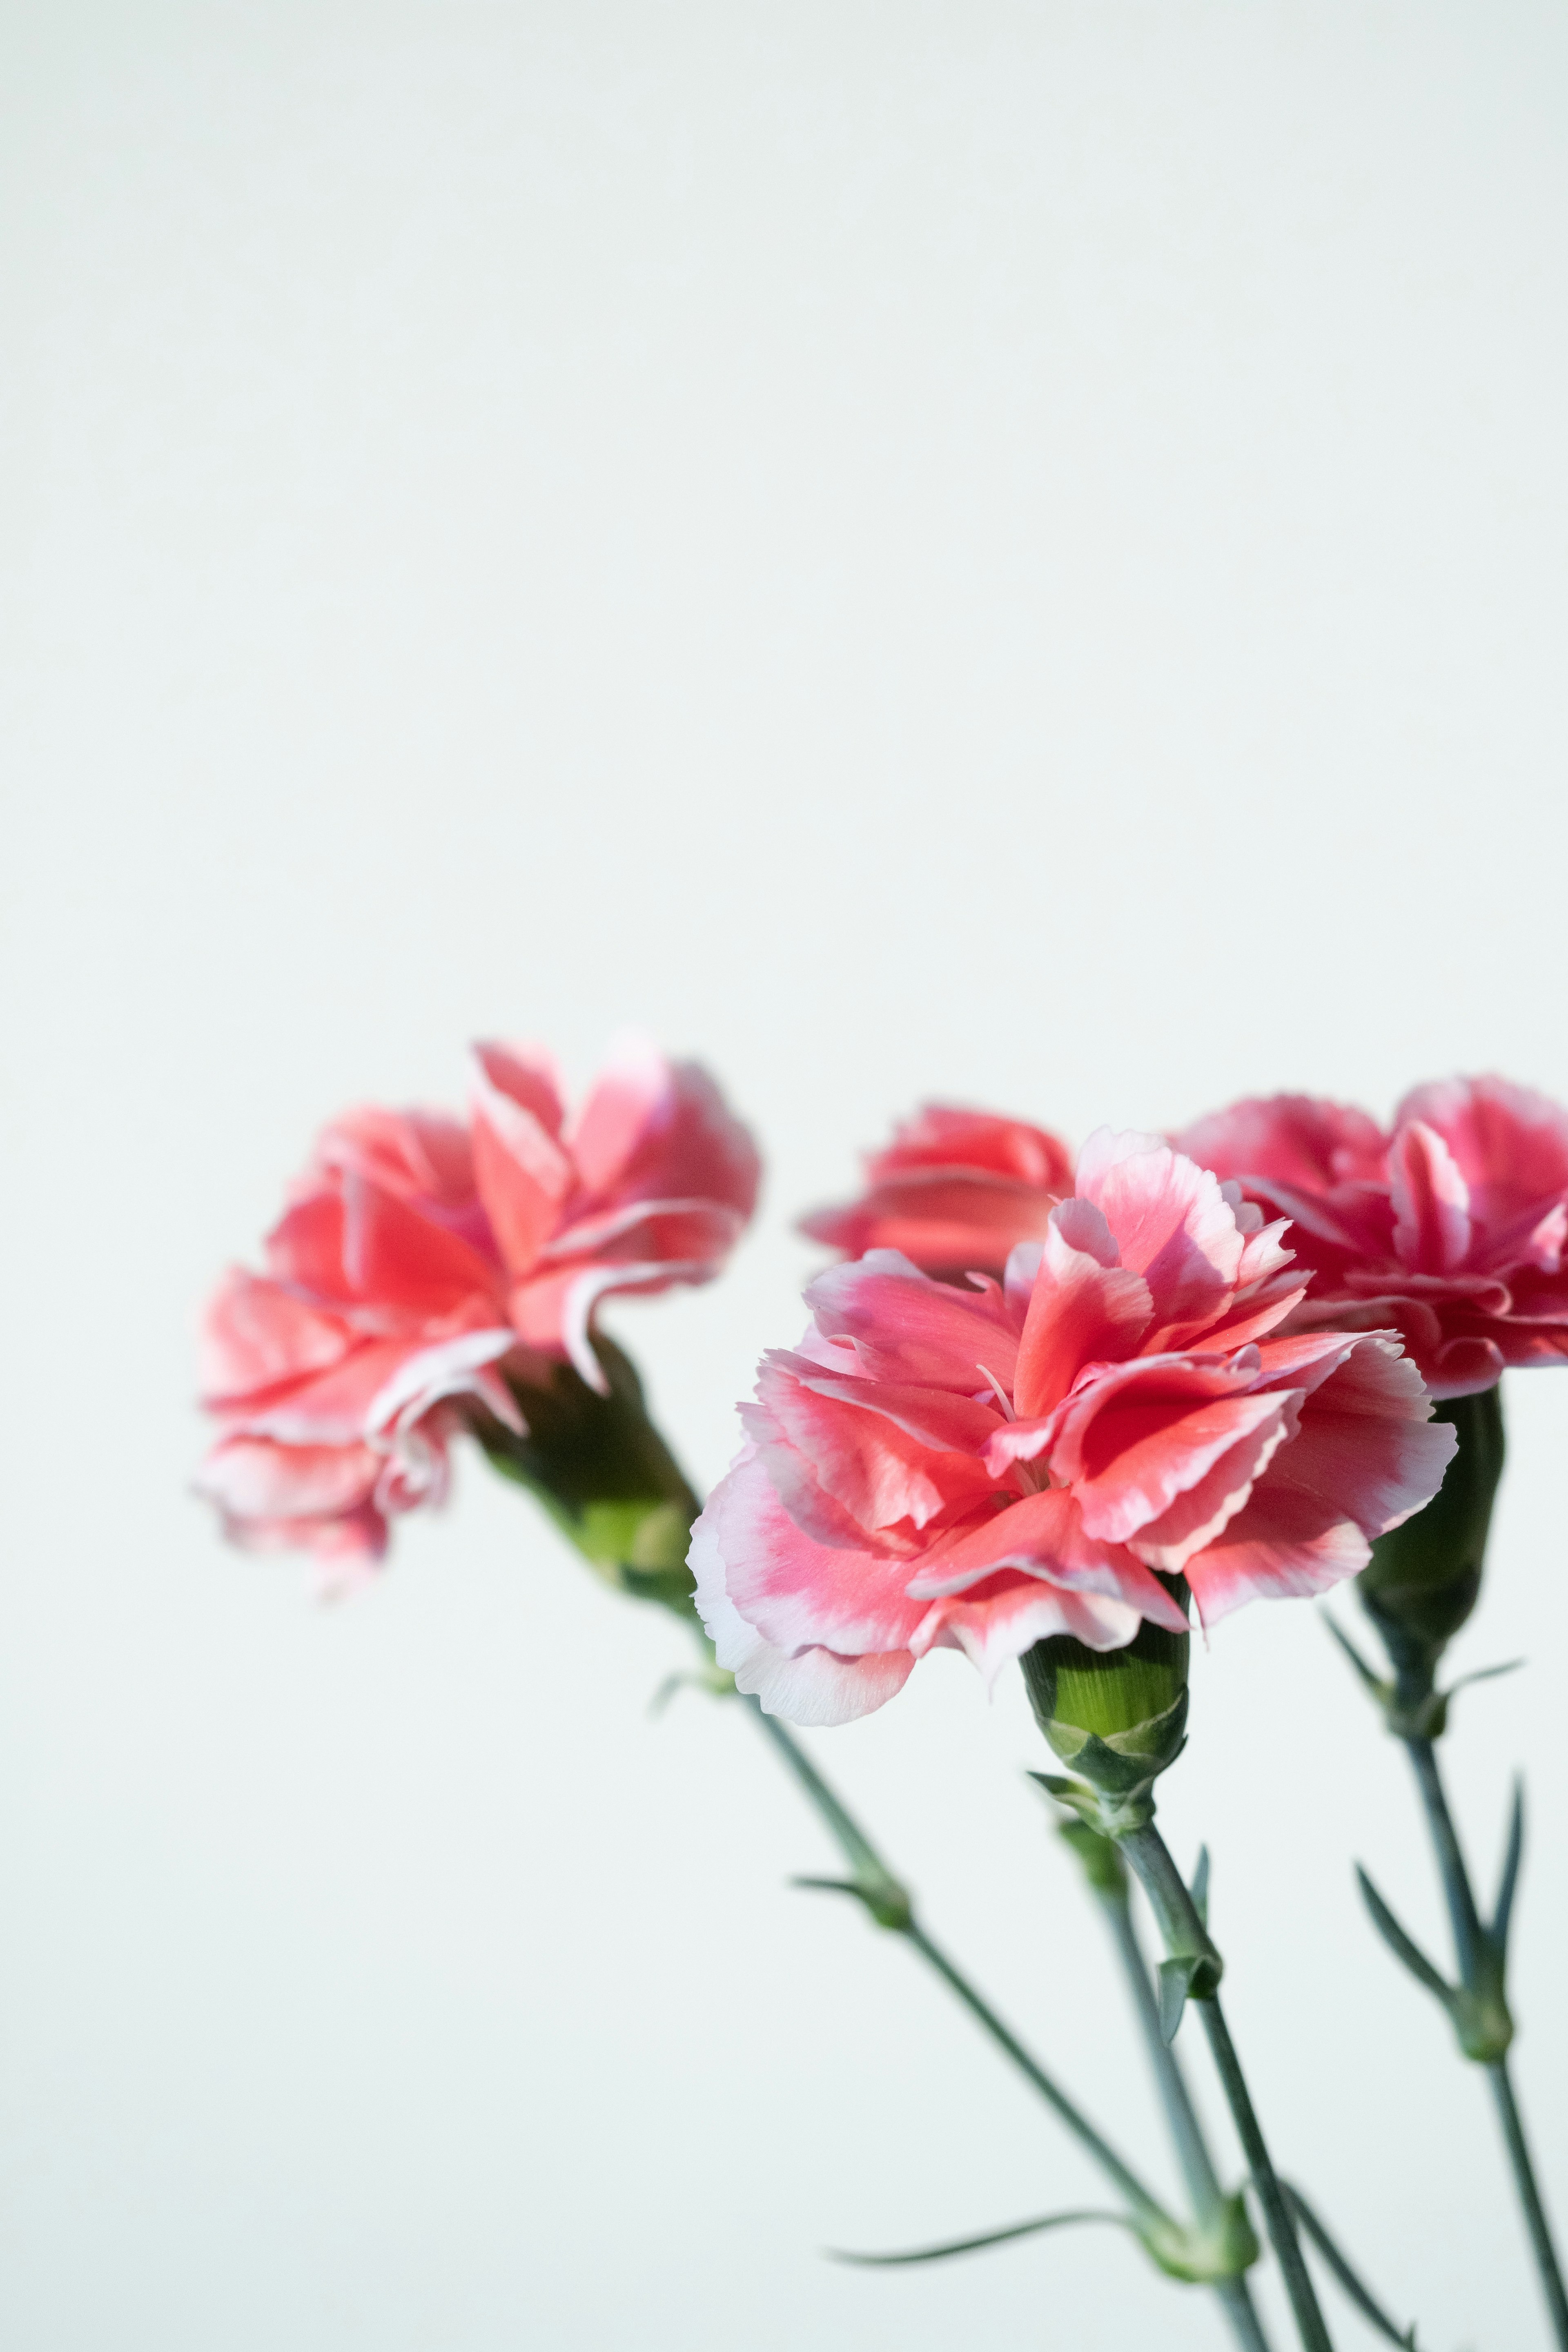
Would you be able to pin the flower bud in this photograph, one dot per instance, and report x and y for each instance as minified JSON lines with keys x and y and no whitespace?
{"x":604,"y":1475}
{"x":1117,"y":1717}
{"x":1425,"y":1576}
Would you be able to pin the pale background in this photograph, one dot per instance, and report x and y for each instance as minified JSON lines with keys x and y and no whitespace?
{"x":1014,"y":552}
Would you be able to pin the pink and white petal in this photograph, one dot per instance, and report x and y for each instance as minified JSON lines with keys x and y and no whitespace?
{"x":305,"y":1249}
{"x":256,"y":1335}
{"x":396,"y":1258}
{"x":453,"y":1367}
{"x":1085,"y":1308}
{"x":328,"y":1407}
{"x":1197,"y":1517}
{"x":946,"y":1220}
{"x":1510,"y":1146}
{"x":526,"y":1074}
{"x":1367,"y":1440}
{"x":1301,"y":1141}
{"x":907,"y":1327}
{"x":522,"y":1171}
{"x":863,"y":1456}
{"x":1256,"y":1311}
{"x":1285,"y":1546}
{"x":993,"y":1627}
{"x":654,"y":1129}
{"x":937,"y":1418}
{"x":798,"y":1593}
{"x":645,"y":1232}
{"x":256,"y":1478}
{"x":1172,"y":1225}
{"x":419,"y":1155}
{"x":948,"y":1138}
{"x":1042,"y":1537}
{"x":1139,"y":1457}
{"x":1431,"y":1201}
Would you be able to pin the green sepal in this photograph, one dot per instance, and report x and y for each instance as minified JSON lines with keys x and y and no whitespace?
{"x":1425,"y":1576}
{"x":1478,"y":2013}
{"x":1195,"y":2256}
{"x":1177,"y":1977}
{"x":888,"y":1903}
{"x":596,"y":1462}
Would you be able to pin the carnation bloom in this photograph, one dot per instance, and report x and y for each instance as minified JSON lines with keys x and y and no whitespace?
{"x":420,"y":1256}
{"x":954,"y":1191}
{"x":978,"y":1469}
{"x":1449,"y":1228}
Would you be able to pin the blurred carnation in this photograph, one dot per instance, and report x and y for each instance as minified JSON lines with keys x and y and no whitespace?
{"x":979,"y":1468}
{"x":954,"y":1191}
{"x":1449,"y":1228}
{"x":420,"y":1259}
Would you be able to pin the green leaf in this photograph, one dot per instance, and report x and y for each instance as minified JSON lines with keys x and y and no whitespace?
{"x":973,"y":2245}
{"x":1359,"y":2294}
{"x":1200,"y":1885}
{"x":1401,"y":1944}
{"x":1175,"y":1983}
{"x":1503,"y":1914}
{"x":1372,"y":1682}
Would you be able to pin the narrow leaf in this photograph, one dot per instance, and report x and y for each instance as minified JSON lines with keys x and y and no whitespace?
{"x":1484,"y":1675}
{"x":1361,"y":2295}
{"x":1175,"y":1979}
{"x":1401,"y":1944}
{"x":1200,"y":1885}
{"x":973,"y":2245}
{"x":1370,"y":1680}
{"x":1502,"y":1915}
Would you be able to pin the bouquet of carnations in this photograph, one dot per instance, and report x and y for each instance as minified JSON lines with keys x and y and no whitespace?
{"x":1047,"y":1411}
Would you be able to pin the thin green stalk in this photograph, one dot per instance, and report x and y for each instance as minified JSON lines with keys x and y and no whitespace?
{"x":880,"y":1886}
{"x":1530,"y":2197}
{"x":1181,"y":2115}
{"x":1481,"y":1956}
{"x":1187,"y":1940}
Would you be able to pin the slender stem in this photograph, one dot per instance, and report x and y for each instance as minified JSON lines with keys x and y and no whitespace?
{"x":1277,"y":2214}
{"x":1470,"y":1936}
{"x":1192,"y":2149}
{"x":1185,"y":1937}
{"x":1078,"y":2123}
{"x":1480,"y":1960}
{"x":1530,"y":2197}
{"x":1186,"y":2131}
{"x":863,"y":1859}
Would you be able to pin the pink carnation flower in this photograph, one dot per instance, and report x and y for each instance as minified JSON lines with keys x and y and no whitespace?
{"x":419,"y":1256}
{"x":1449,"y":1229}
{"x":954,"y":1191}
{"x":943,"y":1467}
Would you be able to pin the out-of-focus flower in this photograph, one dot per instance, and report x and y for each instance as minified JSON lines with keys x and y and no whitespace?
{"x":1449,"y":1228}
{"x":982,"y":1468}
{"x":423,"y":1268}
{"x":954,"y":1191}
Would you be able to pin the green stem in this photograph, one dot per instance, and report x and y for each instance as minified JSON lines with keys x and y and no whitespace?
{"x":1277,"y":2216}
{"x":1480,"y":1962}
{"x":1530,"y":2197}
{"x":1185,"y":1937}
{"x":866,"y":1861}
{"x":1181,"y":2115}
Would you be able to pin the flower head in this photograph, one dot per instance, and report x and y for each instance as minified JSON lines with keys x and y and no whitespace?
{"x":1448,"y":1228}
{"x":421,"y":1257}
{"x":979,"y":1468}
{"x":954,"y":1191}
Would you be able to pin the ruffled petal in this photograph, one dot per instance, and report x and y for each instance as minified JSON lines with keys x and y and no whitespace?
{"x":907,"y":1327}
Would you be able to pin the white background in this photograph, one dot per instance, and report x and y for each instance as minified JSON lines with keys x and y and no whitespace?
{"x":1006,"y":552}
